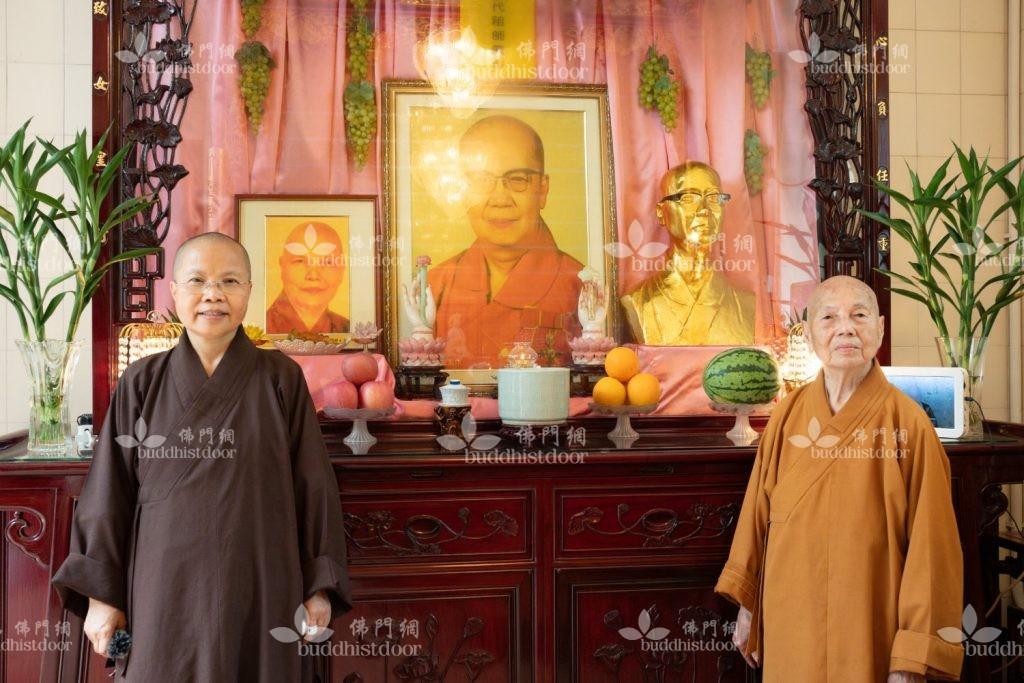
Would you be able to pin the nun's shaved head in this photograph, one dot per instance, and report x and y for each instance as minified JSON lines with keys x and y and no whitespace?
{"x":843,"y":286}
{"x":209,"y":240}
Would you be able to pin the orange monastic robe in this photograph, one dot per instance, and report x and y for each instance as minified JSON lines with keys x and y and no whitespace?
{"x":849,"y":562}
{"x":537,"y":300}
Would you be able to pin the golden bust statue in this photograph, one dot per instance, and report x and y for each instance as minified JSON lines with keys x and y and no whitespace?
{"x":690,"y":303}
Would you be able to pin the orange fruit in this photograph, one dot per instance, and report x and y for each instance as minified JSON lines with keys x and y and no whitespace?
{"x":643,"y":389}
{"x":621,"y":363}
{"x":609,"y":392}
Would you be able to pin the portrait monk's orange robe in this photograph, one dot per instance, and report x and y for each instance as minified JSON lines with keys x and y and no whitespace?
{"x":850,"y":563}
{"x":282,"y":318}
{"x":538,"y":298}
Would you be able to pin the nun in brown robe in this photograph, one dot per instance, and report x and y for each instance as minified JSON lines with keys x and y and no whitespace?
{"x":211,"y":511}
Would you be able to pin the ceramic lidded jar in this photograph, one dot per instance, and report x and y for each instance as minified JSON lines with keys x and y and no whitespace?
{"x":455,"y":394}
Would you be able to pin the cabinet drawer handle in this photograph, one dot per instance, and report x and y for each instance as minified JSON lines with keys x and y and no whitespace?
{"x":658,"y":469}
{"x":427,"y":474}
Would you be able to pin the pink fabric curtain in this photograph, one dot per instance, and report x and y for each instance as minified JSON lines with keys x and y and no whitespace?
{"x":300,"y":148}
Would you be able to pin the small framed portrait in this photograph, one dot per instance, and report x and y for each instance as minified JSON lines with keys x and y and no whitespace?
{"x":503,"y":206}
{"x":313,"y":262}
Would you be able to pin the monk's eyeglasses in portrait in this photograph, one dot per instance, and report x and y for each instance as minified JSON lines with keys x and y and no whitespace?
{"x":197,"y":285}
{"x":693,"y":199}
{"x":516,"y":180}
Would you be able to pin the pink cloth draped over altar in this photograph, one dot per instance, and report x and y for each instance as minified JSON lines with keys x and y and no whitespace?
{"x":301,"y":145}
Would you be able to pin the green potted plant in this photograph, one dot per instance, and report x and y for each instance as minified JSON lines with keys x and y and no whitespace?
{"x":963,"y":273}
{"x":79,"y":228}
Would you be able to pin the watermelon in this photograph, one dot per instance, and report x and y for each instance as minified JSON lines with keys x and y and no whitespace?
{"x":742,"y":375}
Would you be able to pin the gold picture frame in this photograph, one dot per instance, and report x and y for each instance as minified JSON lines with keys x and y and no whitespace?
{"x":424,"y":214}
{"x":337,"y":237}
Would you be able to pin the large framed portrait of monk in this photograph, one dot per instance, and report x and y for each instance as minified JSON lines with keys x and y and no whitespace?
{"x":498,"y":209}
{"x":313,"y":262}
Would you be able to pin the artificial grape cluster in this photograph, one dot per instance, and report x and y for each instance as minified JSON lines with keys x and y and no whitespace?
{"x":360,"y":93}
{"x":753,"y":161}
{"x":659,"y":90}
{"x":252,"y":16}
{"x":759,"y":75}
{"x":360,"y":119}
{"x":254,"y":63}
{"x":360,"y":47}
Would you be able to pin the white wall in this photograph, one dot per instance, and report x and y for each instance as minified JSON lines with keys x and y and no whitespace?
{"x":953,"y":88}
{"x":45,"y":68}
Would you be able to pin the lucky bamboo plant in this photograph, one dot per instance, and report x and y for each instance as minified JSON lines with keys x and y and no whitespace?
{"x":33,"y":215}
{"x":949,"y":228}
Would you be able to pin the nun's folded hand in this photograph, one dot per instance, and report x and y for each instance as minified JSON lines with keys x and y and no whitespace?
{"x":318,"y":610}
{"x":100,"y":623}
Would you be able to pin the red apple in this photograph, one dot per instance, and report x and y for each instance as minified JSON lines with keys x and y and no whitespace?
{"x":359,"y":367}
{"x":341,"y":394}
{"x":376,"y":395}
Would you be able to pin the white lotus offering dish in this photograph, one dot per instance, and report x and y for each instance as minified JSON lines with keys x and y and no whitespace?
{"x":590,"y":351}
{"x":365,"y":333}
{"x":421,"y":352}
{"x":305,"y":347}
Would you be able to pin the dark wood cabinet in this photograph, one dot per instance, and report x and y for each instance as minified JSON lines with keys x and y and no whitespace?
{"x":597,"y":570}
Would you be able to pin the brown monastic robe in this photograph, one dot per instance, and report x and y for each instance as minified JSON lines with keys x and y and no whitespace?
{"x":206,"y":555}
{"x":849,"y":564}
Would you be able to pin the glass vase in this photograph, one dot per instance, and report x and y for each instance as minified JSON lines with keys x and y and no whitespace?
{"x":967,"y":353}
{"x":50,"y":365}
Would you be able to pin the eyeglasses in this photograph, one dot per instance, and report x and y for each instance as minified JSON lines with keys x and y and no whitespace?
{"x":692,"y":199}
{"x":516,"y":180}
{"x":197,"y":285}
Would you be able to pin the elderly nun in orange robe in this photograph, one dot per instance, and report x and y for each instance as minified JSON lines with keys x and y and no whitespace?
{"x":846,"y":560}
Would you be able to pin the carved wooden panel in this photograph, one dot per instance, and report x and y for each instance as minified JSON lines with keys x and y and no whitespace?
{"x":645,"y":522}
{"x":433,"y":526}
{"x":479,"y":632}
{"x":847,"y":107}
{"x":643,"y":624}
